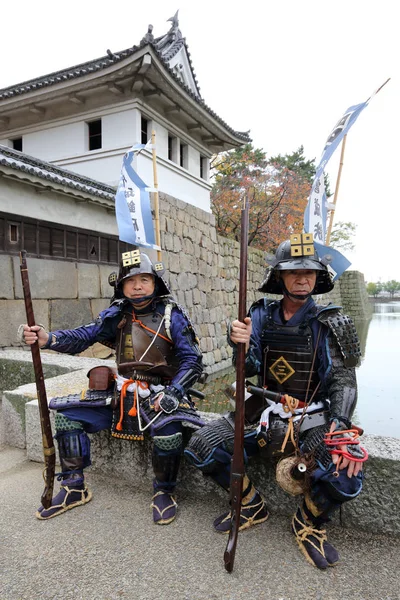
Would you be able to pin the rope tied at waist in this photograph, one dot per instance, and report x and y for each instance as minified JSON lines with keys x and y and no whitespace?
{"x":143,"y":385}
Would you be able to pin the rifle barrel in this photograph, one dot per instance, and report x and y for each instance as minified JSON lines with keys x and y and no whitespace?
{"x":47,"y":437}
{"x":237,"y":469}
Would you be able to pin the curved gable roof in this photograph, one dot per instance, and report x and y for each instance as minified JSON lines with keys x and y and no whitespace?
{"x":165,"y":48}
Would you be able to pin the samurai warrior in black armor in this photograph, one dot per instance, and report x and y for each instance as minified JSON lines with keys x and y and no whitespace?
{"x":158,"y":360}
{"x":303,"y":356}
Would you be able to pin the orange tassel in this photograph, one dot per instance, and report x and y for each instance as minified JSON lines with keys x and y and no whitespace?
{"x":133,"y":410}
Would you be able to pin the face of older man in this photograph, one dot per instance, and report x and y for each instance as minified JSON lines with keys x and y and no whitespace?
{"x":299,"y":281}
{"x":138,"y":286}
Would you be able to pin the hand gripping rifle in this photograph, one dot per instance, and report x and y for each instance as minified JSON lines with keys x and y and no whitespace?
{"x":237,"y":465}
{"x":47,"y":437}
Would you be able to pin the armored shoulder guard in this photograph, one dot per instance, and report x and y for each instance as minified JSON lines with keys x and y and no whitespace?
{"x":345,"y":333}
{"x":262,"y":302}
{"x":171,"y":303}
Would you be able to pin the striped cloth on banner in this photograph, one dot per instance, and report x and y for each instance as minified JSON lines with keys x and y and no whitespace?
{"x":132,"y":205}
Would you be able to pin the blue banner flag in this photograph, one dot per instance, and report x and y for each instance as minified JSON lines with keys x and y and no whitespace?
{"x":132,"y":205}
{"x":315,"y":214}
{"x":336,"y":262}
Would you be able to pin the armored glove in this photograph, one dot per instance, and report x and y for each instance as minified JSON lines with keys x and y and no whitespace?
{"x":170,"y":400}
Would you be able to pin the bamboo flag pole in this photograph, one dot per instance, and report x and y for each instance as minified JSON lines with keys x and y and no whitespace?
{"x":156,"y":200}
{"x":332,"y":211}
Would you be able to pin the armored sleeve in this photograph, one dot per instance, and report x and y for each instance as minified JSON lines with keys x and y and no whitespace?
{"x":341,"y":383}
{"x":342,"y":350}
{"x":73,"y":341}
{"x":187,"y":350}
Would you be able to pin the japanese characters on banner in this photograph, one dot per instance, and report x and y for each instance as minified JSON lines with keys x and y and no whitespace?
{"x":315,"y":215}
{"x":132,"y":205}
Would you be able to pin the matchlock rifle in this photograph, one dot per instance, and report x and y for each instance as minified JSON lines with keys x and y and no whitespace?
{"x":47,"y":437}
{"x":237,"y":464}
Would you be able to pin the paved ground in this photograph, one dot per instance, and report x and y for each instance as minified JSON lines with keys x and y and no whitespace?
{"x":110,"y":549}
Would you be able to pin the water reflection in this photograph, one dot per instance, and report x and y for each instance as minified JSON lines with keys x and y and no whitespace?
{"x":378,"y":379}
{"x":377,"y":376}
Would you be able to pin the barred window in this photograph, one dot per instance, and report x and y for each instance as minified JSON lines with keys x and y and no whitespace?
{"x":49,"y":240}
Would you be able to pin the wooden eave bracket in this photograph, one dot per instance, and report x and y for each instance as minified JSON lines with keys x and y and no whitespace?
{"x":116,"y":89}
{"x":172,"y":109}
{"x":37,"y":110}
{"x":76,"y":99}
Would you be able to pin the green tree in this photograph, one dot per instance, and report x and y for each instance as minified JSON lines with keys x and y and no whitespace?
{"x":342,"y":235}
{"x":392,"y":287}
{"x":373,"y":289}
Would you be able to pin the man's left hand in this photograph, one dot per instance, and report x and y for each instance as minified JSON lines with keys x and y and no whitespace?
{"x":353,"y":467}
{"x":167,"y":401}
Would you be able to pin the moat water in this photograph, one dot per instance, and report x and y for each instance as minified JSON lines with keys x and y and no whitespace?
{"x":378,"y":375}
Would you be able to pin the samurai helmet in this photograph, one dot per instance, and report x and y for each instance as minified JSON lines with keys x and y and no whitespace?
{"x":135,"y":263}
{"x":298,"y":252}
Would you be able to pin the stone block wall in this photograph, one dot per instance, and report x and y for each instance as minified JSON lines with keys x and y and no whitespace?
{"x":202,"y":271}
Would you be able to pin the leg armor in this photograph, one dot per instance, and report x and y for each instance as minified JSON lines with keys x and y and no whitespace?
{"x":167,"y":451}
{"x":210,"y":450}
{"x":74,"y":448}
{"x":74,"y":451}
{"x":327,"y":493}
{"x":253,"y":510}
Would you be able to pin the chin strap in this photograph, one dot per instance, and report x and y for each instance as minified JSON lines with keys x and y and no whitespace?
{"x":295,"y":296}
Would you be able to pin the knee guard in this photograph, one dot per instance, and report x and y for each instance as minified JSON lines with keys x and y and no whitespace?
{"x":210,"y":450}
{"x":73,"y":445}
{"x":211,"y":445}
{"x":168,"y":444}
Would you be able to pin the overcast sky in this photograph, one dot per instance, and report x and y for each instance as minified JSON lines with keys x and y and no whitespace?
{"x":284,"y":70}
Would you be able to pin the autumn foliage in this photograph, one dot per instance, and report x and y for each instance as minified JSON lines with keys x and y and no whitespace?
{"x":277,"y":189}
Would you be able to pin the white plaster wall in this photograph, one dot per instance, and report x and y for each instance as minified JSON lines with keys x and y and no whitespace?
{"x":66,"y":146}
{"x":56,"y":142}
{"x":120,"y":129}
{"x":21,"y":199}
{"x":175,"y":181}
{"x":99,"y":165}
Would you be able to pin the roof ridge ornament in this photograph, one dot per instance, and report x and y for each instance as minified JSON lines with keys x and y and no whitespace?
{"x":149,"y":37}
{"x":167,"y":41}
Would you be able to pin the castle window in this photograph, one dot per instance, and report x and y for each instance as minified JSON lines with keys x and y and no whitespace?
{"x":13,"y":233}
{"x":172,"y":148}
{"x":17,"y":144}
{"x":144,"y":130}
{"x":203,"y":167}
{"x":183,"y":155}
{"x":94,"y":134}
{"x":44,"y":240}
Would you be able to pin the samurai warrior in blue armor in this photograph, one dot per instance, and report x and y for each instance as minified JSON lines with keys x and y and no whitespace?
{"x":299,"y":412}
{"x":158,"y":360}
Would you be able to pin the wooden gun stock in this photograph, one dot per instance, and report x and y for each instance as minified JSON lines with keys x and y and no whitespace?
{"x":47,"y":437}
{"x":237,"y":470}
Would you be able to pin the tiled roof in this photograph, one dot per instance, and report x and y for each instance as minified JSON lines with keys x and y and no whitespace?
{"x":33,"y":166}
{"x":164,"y":54}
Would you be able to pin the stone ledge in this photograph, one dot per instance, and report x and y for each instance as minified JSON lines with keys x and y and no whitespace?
{"x":376,"y":510}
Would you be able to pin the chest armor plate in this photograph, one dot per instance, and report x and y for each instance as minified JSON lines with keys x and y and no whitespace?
{"x":288,"y":356}
{"x":140,"y":350}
